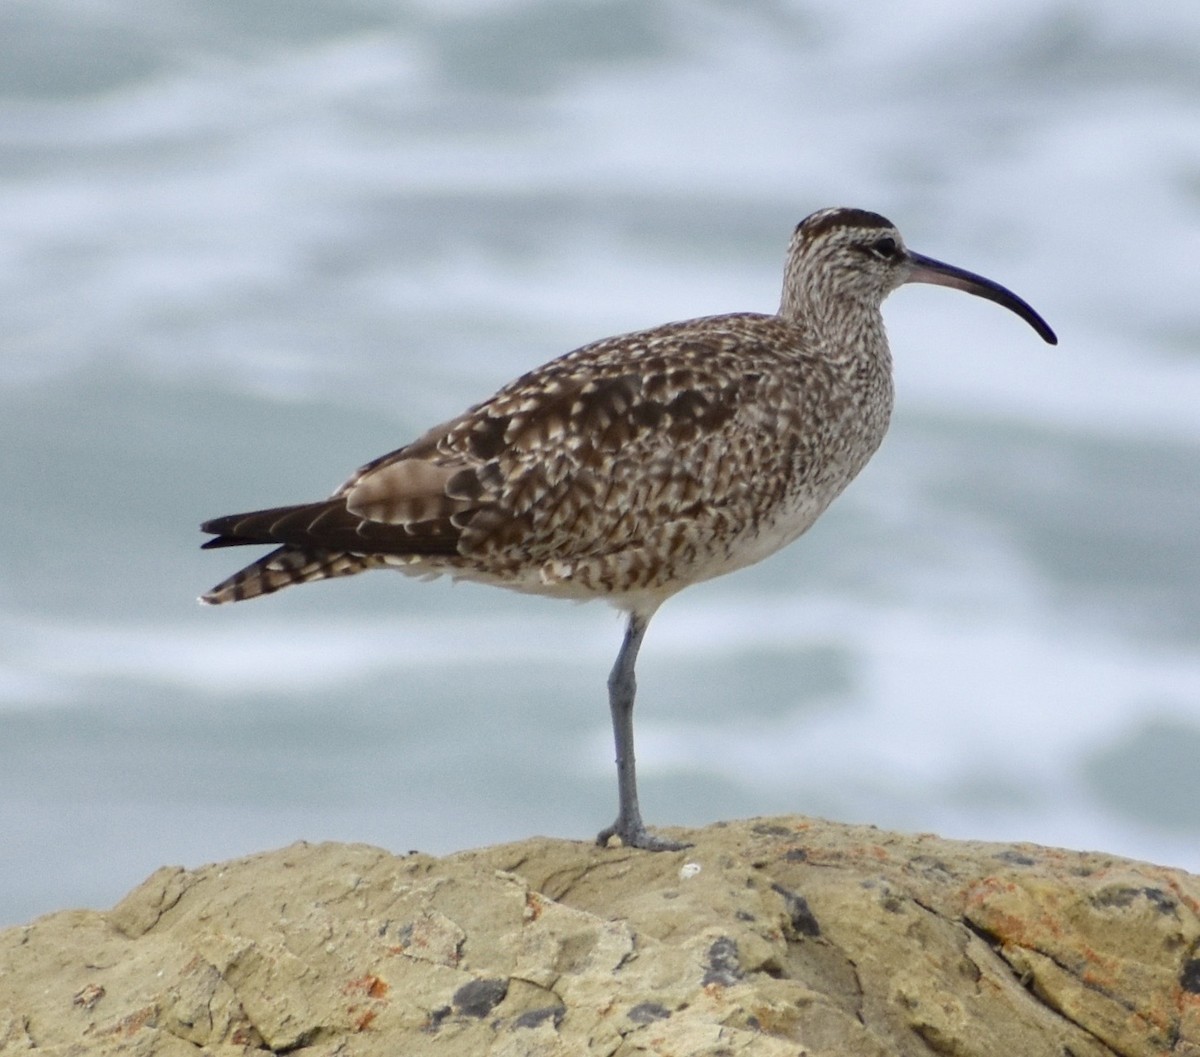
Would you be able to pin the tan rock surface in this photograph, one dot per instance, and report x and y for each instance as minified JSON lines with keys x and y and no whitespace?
{"x":769,"y":937}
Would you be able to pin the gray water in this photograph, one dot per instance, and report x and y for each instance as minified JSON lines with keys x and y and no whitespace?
{"x":245,"y":246}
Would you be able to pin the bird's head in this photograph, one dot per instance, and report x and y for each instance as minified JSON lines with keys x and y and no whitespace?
{"x":847,"y":257}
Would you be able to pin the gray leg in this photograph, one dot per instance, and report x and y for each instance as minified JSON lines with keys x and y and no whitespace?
{"x":622,"y":687}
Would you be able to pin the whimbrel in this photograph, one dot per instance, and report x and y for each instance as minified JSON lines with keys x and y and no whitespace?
{"x":636,"y":465}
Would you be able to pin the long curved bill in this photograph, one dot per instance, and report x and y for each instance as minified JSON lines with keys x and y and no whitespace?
{"x":927,"y":270}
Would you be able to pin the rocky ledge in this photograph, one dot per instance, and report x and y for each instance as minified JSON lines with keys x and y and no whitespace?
{"x":769,"y":937}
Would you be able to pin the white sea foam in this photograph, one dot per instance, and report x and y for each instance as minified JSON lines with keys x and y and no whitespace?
{"x":59,"y":662}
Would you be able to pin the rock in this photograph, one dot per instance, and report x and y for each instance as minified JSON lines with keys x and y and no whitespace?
{"x":768,"y":938}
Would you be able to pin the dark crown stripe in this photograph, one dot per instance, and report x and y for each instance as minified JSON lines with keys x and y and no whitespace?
{"x":818,"y":223}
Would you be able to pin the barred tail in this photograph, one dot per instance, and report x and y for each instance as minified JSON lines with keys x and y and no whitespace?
{"x":283,"y":568}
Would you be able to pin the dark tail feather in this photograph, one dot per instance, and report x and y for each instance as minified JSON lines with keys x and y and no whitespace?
{"x":283,"y":568}
{"x":228,"y":541}
{"x":260,"y":526}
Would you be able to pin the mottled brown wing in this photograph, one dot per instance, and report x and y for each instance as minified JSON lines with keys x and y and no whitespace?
{"x":587,"y":456}
{"x":583,"y":456}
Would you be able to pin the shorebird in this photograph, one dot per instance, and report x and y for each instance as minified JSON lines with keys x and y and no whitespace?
{"x":637,"y":465}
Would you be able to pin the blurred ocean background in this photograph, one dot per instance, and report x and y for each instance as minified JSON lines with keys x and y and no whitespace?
{"x":246,"y":245}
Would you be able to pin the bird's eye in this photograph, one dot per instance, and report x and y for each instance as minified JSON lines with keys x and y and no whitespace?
{"x":885,"y":248}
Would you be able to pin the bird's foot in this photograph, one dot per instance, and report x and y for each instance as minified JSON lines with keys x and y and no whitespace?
{"x":635,"y":835}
